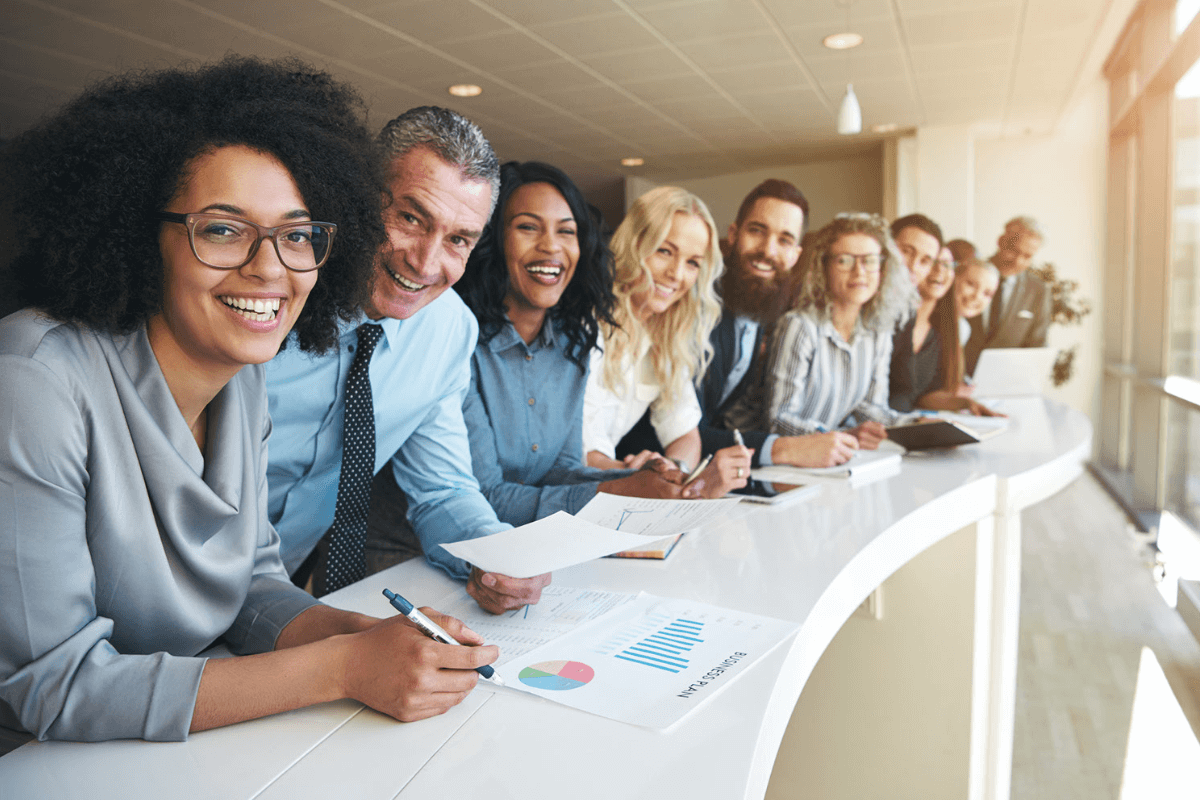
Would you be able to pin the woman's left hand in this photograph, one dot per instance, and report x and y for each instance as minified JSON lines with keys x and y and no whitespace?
{"x":728,"y":470}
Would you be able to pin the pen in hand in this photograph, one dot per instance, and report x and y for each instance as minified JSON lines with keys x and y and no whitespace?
{"x":737,"y":437}
{"x":699,"y":468}
{"x":433,"y":630}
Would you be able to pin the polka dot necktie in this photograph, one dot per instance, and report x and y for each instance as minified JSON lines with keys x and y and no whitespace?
{"x":347,"y":536}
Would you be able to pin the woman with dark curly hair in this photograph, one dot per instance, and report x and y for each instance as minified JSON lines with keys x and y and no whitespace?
{"x":172,"y":228}
{"x":831,"y":355}
{"x":538,"y":282}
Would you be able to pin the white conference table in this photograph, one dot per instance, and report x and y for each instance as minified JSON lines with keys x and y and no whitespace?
{"x":813,"y":562}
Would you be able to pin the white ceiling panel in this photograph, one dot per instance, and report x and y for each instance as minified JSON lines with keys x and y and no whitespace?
{"x":688,"y":84}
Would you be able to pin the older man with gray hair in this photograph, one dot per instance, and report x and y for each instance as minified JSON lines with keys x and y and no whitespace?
{"x":390,"y":397}
{"x":1020,"y":311}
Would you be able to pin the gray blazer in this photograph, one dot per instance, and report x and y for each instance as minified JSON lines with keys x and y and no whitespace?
{"x":1023,"y":321}
{"x":123,"y":551}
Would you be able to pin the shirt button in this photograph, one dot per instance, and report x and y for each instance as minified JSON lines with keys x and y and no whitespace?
{"x":531,"y":401}
{"x":535,"y":448}
{"x":349,"y":348}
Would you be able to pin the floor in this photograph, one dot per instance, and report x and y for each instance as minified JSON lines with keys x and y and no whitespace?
{"x":1108,"y":686}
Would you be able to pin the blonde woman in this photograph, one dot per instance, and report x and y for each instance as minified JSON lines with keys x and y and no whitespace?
{"x":831,"y":355}
{"x":667,"y":263}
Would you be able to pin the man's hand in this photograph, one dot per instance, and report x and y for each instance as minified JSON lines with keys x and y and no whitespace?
{"x":396,"y":669}
{"x":498,"y":593}
{"x":814,"y":450}
{"x":647,"y":482}
{"x":644,"y":458}
{"x":869,"y":434}
{"x":728,"y":470}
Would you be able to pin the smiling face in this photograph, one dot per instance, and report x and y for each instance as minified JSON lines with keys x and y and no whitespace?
{"x":541,"y":246}
{"x":436,"y":217}
{"x":674,"y":265}
{"x":766,"y":245}
{"x":940,"y":277}
{"x":1016,"y":252}
{"x":919,"y":250}
{"x":219,"y":320}
{"x":852,"y":289}
{"x":974,"y":289}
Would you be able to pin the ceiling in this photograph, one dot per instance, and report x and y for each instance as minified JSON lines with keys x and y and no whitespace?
{"x":695,"y":87}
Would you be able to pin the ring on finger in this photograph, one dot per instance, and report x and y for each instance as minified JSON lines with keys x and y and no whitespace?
{"x":740,"y":472}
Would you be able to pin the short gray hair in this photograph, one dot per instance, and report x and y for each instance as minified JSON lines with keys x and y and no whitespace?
{"x":455,"y":139}
{"x":1025,"y":224}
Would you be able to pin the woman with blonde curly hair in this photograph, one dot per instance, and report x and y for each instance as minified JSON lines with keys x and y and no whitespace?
{"x":667,"y":263}
{"x":831,"y":355}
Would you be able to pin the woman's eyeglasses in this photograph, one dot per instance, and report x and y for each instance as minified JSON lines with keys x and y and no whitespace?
{"x":844,"y":262}
{"x":222,"y":241}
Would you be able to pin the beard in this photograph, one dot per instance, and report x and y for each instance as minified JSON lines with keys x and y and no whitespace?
{"x":760,"y":298}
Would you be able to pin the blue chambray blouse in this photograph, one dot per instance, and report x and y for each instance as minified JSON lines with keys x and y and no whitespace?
{"x":524,"y":413}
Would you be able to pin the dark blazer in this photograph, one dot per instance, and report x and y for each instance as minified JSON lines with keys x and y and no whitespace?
{"x":1023,"y":321}
{"x":713,"y":436}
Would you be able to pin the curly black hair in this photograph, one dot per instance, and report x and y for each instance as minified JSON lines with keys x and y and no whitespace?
{"x":86,"y":182}
{"x":587,"y":300}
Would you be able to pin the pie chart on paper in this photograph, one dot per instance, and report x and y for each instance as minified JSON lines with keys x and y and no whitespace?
{"x":557,"y":676}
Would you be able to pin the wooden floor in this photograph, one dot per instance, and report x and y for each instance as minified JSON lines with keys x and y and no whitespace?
{"x":1094,"y":633}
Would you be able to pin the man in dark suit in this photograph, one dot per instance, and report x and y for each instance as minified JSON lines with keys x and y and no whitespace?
{"x":1020,"y":312}
{"x":761,"y":249}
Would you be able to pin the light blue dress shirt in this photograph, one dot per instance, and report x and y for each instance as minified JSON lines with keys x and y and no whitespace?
{"x":525,"y":416}
{"x":420,"y":374}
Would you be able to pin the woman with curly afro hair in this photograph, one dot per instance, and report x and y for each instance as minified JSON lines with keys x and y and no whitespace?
{"x":172,"y":227}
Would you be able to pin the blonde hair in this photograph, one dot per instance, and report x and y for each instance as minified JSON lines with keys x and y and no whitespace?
{"x":896,"y":295}
{"x":680,"y":348}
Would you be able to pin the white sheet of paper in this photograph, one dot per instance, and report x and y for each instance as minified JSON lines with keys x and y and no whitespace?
{"x":653,"y":517}
{"x":561,"y":609}
{"x":883,"y":460}
{"x":650,"y":662}
{"x":555,"y":542}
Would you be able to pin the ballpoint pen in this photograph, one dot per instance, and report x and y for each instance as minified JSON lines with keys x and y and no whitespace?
{"x":699,"y":468}
{"x":737,"y":437}
{"x":434,"y":631}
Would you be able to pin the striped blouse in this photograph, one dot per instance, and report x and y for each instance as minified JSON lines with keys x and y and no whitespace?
{"x":818,"y":382}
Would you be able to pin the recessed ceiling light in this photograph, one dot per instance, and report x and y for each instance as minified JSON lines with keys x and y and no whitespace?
{"x":465,"y":90}
{"x":842,"y":41}
{"x":632,"y":162}
{"x":885,"y":127}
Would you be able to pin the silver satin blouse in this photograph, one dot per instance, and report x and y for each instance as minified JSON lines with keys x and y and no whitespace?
{"x":124,"y":552}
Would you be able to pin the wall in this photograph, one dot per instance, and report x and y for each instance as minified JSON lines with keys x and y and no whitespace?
{"x":1060,"y":180}
{"x":832,"y":185}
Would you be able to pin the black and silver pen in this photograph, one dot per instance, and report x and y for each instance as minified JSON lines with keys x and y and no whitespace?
{"x":434,"y":631}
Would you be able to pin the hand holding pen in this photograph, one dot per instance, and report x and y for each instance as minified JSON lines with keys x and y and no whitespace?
{"x":434,"y":631}
{"x":725,"y":470}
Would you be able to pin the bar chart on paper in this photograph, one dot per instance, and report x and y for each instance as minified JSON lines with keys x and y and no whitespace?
{"x":650,"y":662}
{"x":666,"y":648}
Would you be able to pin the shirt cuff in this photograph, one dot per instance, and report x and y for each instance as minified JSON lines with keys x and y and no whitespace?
{"x":764,"y":452}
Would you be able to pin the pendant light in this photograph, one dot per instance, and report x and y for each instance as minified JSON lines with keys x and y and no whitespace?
{"x":849,"y":119}
{"x":850,"y":114}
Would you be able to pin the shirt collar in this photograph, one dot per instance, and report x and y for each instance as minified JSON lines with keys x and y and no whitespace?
{"x":508,"y":337}
{"x":348,"y":330}
{"x":832,"y":334}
